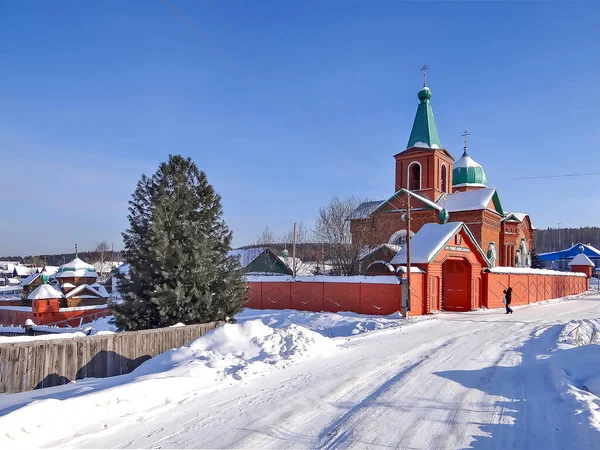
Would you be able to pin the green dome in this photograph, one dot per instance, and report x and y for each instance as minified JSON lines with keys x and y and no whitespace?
{"x":467,"y":172}
{"x":425,"y":94}
{"x":444,"y":216}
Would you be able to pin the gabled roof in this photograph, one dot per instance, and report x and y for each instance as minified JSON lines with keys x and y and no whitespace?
{"x":247,"y":255}
{"x":85,"y":287}
{"x":429,"y":241}
{"x":519,"y":217}
{"x":370,"y":250}
{"x":570,"y":253}
{"x":471,"y":200}
{"x":44,"y":292}
{"x":581,"y":260}
{"x":30,"y":279}
{"x":365,"y":209}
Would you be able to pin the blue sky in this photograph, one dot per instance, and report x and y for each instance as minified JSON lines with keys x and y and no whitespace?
{"x":285,"y":104}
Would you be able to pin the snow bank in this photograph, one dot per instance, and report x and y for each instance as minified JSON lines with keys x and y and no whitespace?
{"x":237,"y":351}
{"x":576,"y":371}
{"x":342,"y":324}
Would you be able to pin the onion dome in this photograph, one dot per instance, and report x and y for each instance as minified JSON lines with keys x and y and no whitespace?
{"x":444,"y":216}
{"x":467,"y":172}
{"x":76,"y":268}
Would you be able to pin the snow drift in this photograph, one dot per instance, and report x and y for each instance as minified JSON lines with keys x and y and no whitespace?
{"x":576,"y":367}
{"x":238,"y":350}
{"x":333,"y":325}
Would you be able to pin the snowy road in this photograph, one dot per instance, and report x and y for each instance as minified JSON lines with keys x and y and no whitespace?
{"x":479,"y":380}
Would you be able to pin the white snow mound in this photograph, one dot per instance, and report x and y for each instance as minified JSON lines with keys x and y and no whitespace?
{"x":333,"y":325}
{"x":237,"y":351}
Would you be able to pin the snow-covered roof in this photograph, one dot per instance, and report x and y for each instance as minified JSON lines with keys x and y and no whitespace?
{"x":106,"y":266}
{"x":365,"y":209}
{"x":101,"y":289}
{"x":289,"y":261}
{"x":427,"y":242}
{"x":514,"y":216}
{"x":77,"y":264}
{"x":30,"y":279}
{"x":23,"y":271}
{"x":44,"y":291}
{"x":124,"y":269}
{"x":465,"y":162}
{"x":588,"y":250}
{"x":247,"y":255}
{"x":384,"y":263}
{"x":468,"y":201}
{"x":86,"y":287}
{"x":76,"y":268}
{"x":68,"y":285}
{"x":413,"y":269}
{"x":370,"y":250}
{"x":581,"y":260}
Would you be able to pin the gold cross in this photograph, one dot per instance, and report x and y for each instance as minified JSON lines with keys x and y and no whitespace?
{"x":424,"y":69}
{"x":465,"y":136}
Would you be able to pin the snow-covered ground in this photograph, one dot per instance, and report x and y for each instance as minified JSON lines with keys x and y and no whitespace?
{"x":279,"y":379}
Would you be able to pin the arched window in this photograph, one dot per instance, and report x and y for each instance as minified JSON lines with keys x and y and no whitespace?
{"x":444,"y":178}
{"x":399,"y":237}
{"x":414,"y":176}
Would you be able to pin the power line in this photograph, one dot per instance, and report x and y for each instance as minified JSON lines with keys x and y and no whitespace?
{"x":553,"y":176}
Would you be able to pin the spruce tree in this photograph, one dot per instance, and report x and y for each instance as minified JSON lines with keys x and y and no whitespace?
{"x":176,"y":246}
{"x":536,"y":262}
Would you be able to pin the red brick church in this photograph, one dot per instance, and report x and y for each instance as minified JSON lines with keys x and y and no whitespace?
{"x":440,"y":186}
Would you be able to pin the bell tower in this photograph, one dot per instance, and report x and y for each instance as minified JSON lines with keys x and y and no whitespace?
{"x":424,"y":167}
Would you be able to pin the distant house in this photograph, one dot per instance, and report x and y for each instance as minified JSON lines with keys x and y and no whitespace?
{"x":383,"y":253}
{"x":261,"y":260}
{"x":560,"y":260}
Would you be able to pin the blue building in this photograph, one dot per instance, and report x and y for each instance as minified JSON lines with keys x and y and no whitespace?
{"x":560,"y":260}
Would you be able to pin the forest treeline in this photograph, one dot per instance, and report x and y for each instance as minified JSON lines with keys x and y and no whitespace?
{"x":552,"y":239}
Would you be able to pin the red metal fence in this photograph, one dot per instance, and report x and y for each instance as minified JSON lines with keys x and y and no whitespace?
{"x":529,"y":288}
{"x":384,"y":297}
{"x":373,"y":297}
{"x":379,"y":298}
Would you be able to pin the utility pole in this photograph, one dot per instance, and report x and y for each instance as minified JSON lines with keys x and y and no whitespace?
{"x":559,"y":246}
{"x":407,"y":255}
{"x":294,"y":253}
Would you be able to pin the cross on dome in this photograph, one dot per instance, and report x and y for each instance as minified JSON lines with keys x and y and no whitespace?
{"x":424,"y":69}
{"x":465,"y":136}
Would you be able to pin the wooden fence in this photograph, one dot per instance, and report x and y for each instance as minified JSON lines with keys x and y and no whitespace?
{"x":38,"y":364}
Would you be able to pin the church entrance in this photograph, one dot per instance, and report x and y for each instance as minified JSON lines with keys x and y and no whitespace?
{"x":455,"y":282}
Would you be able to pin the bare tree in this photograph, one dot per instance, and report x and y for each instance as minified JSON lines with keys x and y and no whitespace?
{"x":265,"y":238}
{"x":333,"y":228}
{"x":103,"y":256}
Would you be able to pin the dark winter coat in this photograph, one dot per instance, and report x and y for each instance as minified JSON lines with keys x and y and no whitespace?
{"x":508,"y":295}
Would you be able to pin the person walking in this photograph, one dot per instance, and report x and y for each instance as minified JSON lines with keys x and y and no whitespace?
{"x":507,"y":299}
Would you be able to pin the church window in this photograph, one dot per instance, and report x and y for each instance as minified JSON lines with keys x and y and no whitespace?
{"x":399,"y":237}
{"x":414,"y":176}
{"x":444,"y":178}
